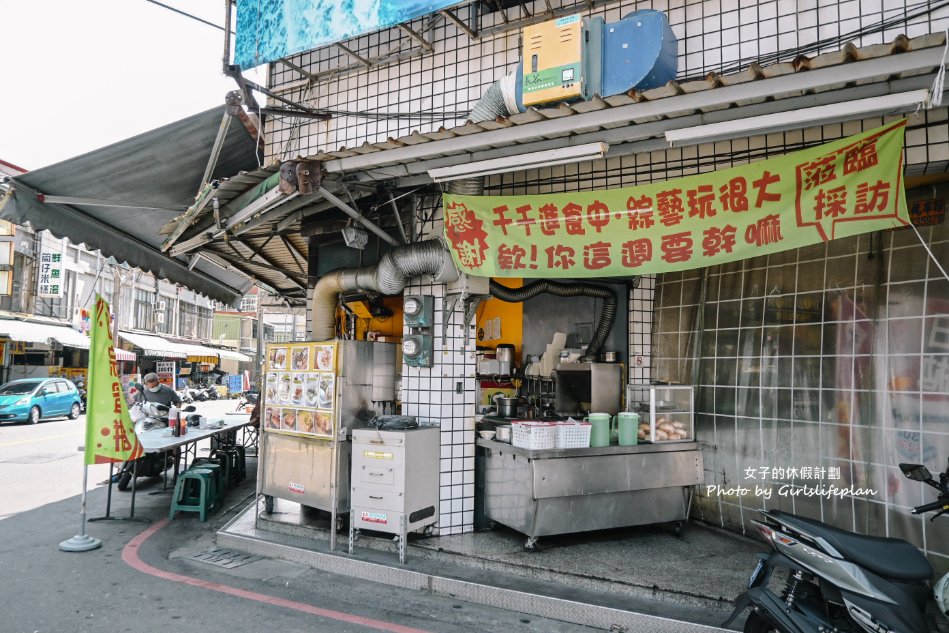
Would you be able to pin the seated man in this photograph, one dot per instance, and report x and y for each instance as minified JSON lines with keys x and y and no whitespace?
{"x":153,"y":391}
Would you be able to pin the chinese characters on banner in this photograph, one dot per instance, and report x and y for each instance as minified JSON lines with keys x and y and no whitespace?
{"x":839,"y":189}
{"x":110,"y":434}
{"x":50,"y":275}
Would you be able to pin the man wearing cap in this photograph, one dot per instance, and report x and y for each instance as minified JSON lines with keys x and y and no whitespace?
{"x":154,"y":391}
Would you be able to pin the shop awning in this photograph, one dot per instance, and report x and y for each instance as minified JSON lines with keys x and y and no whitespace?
{"x":118,"y":198}
{"x":125,"y":355}
{"x":44,"y":333}
{"x":204,"y":354}
{"x":230,"y":355}
{"x":154,"y":345}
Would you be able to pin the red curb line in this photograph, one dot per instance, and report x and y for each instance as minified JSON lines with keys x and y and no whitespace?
{"x":131,"y":557}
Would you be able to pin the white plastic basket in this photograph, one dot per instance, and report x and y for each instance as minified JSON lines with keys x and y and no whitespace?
{"x":533,"y":435}
{"x":573,"y":434}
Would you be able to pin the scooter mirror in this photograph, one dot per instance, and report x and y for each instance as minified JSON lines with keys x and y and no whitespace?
{"x":189,"y":408}
{"x":916,"y":472}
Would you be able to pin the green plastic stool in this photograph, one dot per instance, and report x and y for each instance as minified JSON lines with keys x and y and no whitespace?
{"x":187,"y":499}
{"x":224,"y":461}
{"x":232,"y":457}
{"x":217,"y":470}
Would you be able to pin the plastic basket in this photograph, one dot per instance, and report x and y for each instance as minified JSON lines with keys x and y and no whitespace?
{"x":533,"y":435}
{"x":573,"y":434}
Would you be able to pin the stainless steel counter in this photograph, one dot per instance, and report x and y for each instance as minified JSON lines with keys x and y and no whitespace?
{"x":560,"y":491}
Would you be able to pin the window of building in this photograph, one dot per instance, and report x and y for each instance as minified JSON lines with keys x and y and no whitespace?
{"x":144,"y":309}
{"x":249,"y":303}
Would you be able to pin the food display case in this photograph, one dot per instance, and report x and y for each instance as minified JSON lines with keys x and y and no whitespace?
{"x":666,"y":412}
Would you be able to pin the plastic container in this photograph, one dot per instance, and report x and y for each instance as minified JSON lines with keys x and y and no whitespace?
{"x":600,"y":434}
{"x":573,"y":434}
{"x":627,"y":425}
{"x":534,"y":435}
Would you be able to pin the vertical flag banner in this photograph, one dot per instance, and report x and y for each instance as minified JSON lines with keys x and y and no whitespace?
{"x":110,"y":433}
{"x":835,"y":190}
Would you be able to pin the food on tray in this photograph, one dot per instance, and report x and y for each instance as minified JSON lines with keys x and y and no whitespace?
{"x":665,"y":430}
{"x":305,"y":421}
{"x":273,"y":418}
{"x":278,"y":358}
{"x":301,"y":358}
{"x":290,"y":419}
{"x":324,"y":358}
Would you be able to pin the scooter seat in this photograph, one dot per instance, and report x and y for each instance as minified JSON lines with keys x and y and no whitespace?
{"x":888,"y":557}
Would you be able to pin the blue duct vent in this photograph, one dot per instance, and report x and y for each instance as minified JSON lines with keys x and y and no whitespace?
{"x":640,"y":51}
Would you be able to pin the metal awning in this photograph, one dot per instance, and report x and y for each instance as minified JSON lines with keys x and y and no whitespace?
{"x":30,"y":332}
{"x":117,"y":199}
{"x":155,"y":345}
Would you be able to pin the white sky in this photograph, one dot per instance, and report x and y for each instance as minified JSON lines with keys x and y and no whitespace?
{"x":78,"y":75}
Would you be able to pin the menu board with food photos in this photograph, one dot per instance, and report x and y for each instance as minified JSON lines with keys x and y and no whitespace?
{"x":300,"y":389}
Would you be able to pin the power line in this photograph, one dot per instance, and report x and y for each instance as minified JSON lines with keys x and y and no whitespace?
{"x":188,"y":15}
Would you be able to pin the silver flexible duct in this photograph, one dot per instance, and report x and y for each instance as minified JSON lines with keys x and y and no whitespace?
{"x":388,"y":277}
{"x":496,"y":101}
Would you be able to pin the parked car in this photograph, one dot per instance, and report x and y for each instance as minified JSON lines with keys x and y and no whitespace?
{"x":33,"y":399}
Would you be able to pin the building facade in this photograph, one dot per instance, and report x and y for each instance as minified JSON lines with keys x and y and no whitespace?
{"x":831,"y":357}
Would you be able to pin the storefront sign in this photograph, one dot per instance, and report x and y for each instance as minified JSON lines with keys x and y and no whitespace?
{"x":50,"y":274}
{"x":166,"y":373}
{"x":839,"y":189}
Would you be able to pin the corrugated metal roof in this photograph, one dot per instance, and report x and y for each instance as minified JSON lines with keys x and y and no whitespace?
{"x":377,"y":154}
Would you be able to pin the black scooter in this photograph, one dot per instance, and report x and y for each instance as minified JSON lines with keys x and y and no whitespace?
{"x":839,"y":581}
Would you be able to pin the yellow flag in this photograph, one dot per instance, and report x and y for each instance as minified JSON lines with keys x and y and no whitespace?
{"x":110,"y":433}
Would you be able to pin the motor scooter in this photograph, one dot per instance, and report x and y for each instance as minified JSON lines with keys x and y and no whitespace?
{"x":149,"y":416}
{"x":840,"y":581}
{"x":247,"y":399}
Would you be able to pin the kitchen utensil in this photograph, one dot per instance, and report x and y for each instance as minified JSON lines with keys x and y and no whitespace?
{"x":627,"y":424}
{"x":600,"y":435}
{"x":488,"y":435}
{"x":503,"y":433}
{"x":507,"y":407}
{"x":505,"y":358}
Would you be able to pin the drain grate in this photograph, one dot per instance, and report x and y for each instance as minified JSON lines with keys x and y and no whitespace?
{"x":38,"y":458}
{"x":226,"y":558}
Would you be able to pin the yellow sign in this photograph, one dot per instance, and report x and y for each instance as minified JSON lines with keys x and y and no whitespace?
{"x":377,"y":455}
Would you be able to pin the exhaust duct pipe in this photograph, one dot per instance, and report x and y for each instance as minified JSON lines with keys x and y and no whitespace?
{"x":500,"y":99}
{"x":388,"y":277}
{"x":607,"y":316}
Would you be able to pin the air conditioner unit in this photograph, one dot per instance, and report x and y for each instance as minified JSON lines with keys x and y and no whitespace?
{"x":159,"y":317}
{"x":161,"y":304}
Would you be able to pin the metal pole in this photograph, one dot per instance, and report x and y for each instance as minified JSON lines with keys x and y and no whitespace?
{"x":81,"y":542}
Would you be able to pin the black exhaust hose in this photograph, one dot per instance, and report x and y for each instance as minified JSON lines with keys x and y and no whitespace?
{"x":607,"y":315}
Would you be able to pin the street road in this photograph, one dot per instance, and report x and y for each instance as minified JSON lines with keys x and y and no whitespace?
{"x":42,"y":463}
{"x":144,"y":580}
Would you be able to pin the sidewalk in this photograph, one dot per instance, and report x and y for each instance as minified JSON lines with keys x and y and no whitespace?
{"x":630,"y":578}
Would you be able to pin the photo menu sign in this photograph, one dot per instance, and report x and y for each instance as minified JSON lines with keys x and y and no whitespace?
{"x":300,"y":389}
